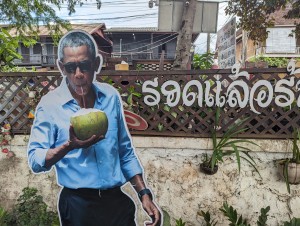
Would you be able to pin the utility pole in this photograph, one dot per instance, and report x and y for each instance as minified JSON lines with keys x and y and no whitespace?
{"x":184,"y":40}
{"x":245,"y":49}
{"x":208,"y":43}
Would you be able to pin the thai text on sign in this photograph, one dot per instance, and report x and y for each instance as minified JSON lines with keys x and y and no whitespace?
{"x":262,"y":92}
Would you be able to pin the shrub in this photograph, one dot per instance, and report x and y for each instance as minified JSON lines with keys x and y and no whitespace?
{"x":31,"y":210}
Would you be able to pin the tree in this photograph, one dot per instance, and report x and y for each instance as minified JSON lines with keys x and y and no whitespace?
{"x":26,"y":16}
{"x":184,"y":42}
{"x":256,"y":15}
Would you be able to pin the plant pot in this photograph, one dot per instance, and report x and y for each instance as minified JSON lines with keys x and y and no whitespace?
{"x":205,"y":168}
{"x":293,"y":172}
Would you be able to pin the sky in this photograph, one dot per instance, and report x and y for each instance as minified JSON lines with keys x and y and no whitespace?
{"x":132,"y":13}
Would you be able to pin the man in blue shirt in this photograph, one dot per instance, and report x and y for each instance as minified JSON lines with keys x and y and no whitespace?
{"x":90,"y":171}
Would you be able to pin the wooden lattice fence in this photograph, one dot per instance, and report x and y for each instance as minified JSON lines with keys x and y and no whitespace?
{"x":180,"y":120}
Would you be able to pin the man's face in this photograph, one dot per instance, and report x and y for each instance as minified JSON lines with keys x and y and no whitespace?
{"x":79,"y":69}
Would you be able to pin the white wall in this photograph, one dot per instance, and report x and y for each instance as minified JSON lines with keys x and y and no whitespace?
{"x":172,"y":170}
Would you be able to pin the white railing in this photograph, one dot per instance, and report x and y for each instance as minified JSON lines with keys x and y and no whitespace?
{"x":36,"y":59}
{"x":275,"y":50}
{"x":129,"y":56}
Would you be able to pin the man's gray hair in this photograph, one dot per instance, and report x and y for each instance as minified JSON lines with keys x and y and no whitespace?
{"x":76,"y":39}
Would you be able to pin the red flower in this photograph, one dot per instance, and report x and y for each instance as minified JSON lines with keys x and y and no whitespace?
{"x":10,"y":154}
{"x":5,"y":150}
{"x":4,"y":142}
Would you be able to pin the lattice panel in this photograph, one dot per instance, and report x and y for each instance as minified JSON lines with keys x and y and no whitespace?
{"x":192,"y":121}
{"x":15,"y":101}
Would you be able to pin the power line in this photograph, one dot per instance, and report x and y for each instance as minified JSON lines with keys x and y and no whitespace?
{"x":158,"y":45}
{"x":97,"y":14}
{"x":151,"y":43}
{"x":115,"y":18}
{"x":140,"y":40}
{"x":145,"y":51}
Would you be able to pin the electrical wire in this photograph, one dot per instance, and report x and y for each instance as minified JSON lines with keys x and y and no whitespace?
{"x":145,"y":51}
{"x":97,"y":14}
{"x":140,"y":40}
{"x":150,"y":43}
{"x":158,"y":45}
{"x":115,"y":18}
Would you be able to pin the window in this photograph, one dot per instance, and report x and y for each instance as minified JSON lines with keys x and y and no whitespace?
{"x":280,"y":35}
{"x":37,"y":49}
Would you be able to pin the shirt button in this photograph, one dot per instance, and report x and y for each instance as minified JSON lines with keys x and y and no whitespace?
{"x":100,"y":162}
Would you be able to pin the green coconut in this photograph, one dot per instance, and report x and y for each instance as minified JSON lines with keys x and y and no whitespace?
{"x":88,"y":122}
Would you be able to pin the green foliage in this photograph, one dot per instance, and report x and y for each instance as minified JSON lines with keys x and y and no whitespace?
{"x":225,"y":146}
{"x":3,"y":215}
{"x":167,"y":220}
{"x":139,"y":67}
{"x":295,"y":150}
{"x":179,"y":222}
{"x":203,"y":61}
{"x":7,"y":68}
{"x":254,"y":16}
{"x":262,"y":219}
{"x":232,"y":216}
{"x":207,"y":218}
{"x":8,"y":45}
{"x":130,"y":104}
{"x":280,"y":62}
{"x":293,"y":222}
{"x":25,"y":17}
{"x":31,"y":210}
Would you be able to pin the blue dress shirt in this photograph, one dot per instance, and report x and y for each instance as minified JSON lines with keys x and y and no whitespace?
{"x":109,"y":163}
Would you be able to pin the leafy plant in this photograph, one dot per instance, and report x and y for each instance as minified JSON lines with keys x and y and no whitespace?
{"x":3,"y":215}
{"x":280,"y":62}
{"x":296,"y":151}
{"x":225,"y":146}
{"x":131,"y":93}
{"x":262,"y":219}
{"x":207,"y":218}
{"x":166,"y":220}
{"x":139,"y":67}
{"x":31,"y":210}
{"x":232,"y":216}
{"x":12,"y":68}
{"x":203,"y":61}
{"x":8,"y":48}
{"x":293,"y":222}
{"x":179,"y":222}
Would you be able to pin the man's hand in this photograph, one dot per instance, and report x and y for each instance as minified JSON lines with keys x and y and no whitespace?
{"x":75,"y":143}
{"x":151,"y":210}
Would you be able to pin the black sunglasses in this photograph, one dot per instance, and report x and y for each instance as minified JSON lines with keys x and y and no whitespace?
{"x":84,"y":66}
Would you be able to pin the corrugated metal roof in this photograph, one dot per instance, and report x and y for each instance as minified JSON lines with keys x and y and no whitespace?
{"x":132,"y":29}
{"x":90,"y":28}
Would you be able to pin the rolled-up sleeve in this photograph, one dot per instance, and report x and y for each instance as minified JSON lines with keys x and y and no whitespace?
{"x":130,"y":164}
{"x":41,"y":139}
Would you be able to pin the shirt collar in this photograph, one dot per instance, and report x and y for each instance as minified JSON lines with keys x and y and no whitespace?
{"x":66,"y":96}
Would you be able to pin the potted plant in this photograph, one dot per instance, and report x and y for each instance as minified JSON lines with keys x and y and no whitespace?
{"x":289,"y":168}
{"x":226,"y":146}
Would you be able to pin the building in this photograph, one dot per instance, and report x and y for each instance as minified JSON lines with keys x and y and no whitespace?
{"x":44,"y":52}
{"x":143,"y":43}
{"x":280,"y":42}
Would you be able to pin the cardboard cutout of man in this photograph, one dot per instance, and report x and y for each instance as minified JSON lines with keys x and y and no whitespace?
{"x":91,"y":172}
